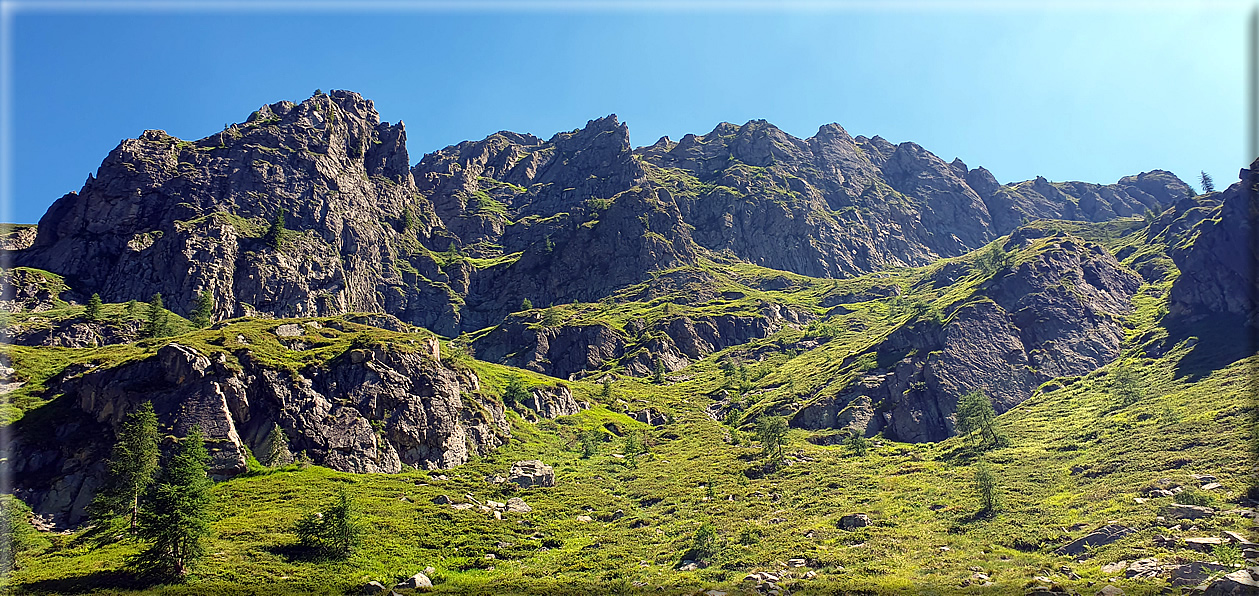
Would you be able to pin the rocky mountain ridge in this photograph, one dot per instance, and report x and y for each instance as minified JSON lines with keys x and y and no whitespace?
{"x":461,"y":239}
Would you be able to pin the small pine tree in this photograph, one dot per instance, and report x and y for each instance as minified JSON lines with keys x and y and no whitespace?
{"x":175,"y":519}
{"x":93,"y":310}
{"x":277,"y":448}
{"x":632,"y":449}
{"x":515,"y":392}
{"x":772,"y":433}
{"x":977,"y":421}
{"x":275,"y":233}
{"x":156,"y":318}
{"x":986,"y":486}
{"x":334,"y":531}
{"x":588,"y":444}
{"x":658,"y":376}
{"x":133,"y":309}
{"x":203,"y":312}
{"x":526,"y":304}
{"x":857,"y":444}
{"x":131,"y":469}
{"x":1126,"y":386}
{"x":1208,"y":185}
{"x":992,"y":259}
{"x":704,"y":543}
{"x":606,"y":394}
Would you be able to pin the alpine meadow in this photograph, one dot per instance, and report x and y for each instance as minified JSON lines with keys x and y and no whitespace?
{"x":285,"y":358}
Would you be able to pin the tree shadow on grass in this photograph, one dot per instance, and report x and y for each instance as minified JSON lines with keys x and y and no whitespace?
{"x":297,"y":552}
{"x":95,"y":581}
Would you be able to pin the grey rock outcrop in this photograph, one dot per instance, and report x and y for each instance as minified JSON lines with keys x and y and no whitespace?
{"x":553,"y":402}
{"x":389,"y":410}
{"x":1023,"y":328}
{"x":530,"y":473}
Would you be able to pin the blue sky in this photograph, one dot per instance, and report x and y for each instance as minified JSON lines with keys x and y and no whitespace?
{"x":1067,"y":94}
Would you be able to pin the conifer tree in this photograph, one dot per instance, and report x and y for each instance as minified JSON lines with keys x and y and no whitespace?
{"x":277,"y":448}
{"x":131,"y":469}
{"x":175,"y":518}
{"x":156,"y":318}
{"x":772,"y":433}
{"x":977,"y":421}
{"x":275,"y":233}
{"x":203,"y":311}
{"x":93,"y":310}
{"x":1208,"y":185}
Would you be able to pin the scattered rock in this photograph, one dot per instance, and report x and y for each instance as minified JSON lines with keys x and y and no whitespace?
{"x":1116,"y":567}
{"x":1110,"y":591}
{"x":1143,"y":568}
{"x":372,"y":587}
{"x":1103,"y":535}
{"x":688,"y":567}
{"x":1233,"y":584}
{"x":442,"y":500}
{"x":518,"y":505}
{"x":418,"y":581}
{"x":1204,"y":544}
{"x":1178,"y":511}
{"x":584,"y":518}
{"x":854,"y":520}
{"x":289,"y":330}
{"x":1212,"y":486}
{"x":531,"y":473}
{"x":796,"y":563}
{"x":1193,"y":573}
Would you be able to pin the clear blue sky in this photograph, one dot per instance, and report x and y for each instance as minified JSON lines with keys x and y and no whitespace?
{"x":1066,"y":94}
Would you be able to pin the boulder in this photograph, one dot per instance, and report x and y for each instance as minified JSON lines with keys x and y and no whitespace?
{"x":518,"y":505}
{"x":530,"y":473}
{"x":1143,"y":569}
{"x":1110,"y":591}
{"x":854,"y":520}
{"x":372,"y":587}
{"x":1103,"y":535}
{"x":1204,"y":544}
{"x":1179,"y":511}
{"x":418,"y":581}
{"x":1237,"y":583}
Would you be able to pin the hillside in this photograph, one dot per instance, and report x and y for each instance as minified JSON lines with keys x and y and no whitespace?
{"x":631,"y":318}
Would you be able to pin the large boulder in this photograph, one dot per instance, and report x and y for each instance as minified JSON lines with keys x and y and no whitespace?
{"x":530,"y":473}
{"x":1103,"y":535}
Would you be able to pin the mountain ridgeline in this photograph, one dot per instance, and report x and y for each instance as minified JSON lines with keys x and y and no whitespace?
{"x":461,"y":239}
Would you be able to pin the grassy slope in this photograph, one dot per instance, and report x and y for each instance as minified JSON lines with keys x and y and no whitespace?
{"x":1076,"y":458}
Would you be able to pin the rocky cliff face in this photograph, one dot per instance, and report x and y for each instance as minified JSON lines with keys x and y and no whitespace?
{"x":1057,"y":312}
{"x":575,"y":349}
{"x":1217,"y":258}
{"x":458,"y":241}
{"x":370,"y":410}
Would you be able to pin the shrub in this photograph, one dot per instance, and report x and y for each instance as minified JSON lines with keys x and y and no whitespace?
{"x":857,"y":444}
{"x":772,"y":433}
{"x":704,"y":543}
{"x":333,"y":531}
{"x":515,"y":392}
{"x":986,"y":487}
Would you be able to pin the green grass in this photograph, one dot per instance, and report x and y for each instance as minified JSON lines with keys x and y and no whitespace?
{"x":1077,"y":455}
